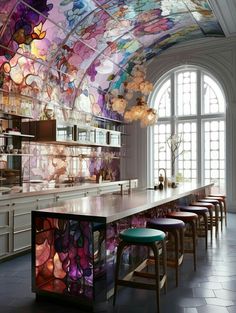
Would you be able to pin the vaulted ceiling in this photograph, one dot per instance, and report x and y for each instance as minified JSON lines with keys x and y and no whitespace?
{"x":71,"y":52}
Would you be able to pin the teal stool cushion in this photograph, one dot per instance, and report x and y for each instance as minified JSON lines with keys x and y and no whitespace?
{"x":142,"y":235}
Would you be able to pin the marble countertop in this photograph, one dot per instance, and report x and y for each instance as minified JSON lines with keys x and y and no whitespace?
{"x":112,"y":207}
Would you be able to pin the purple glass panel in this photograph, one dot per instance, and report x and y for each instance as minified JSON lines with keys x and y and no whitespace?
{"x":64,"y":257}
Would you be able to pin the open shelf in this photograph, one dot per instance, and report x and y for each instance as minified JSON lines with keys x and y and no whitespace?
{"x":8,"y":116}
{"x":15,"y":154}
{"x":3,"y":135}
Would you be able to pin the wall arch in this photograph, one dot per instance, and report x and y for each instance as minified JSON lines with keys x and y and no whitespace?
{"x":217,"y":58}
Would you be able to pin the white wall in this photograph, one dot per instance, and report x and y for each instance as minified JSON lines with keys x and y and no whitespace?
{"x":218,"y":56}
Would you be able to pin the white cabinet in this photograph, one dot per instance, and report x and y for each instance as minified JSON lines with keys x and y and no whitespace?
{"x":70,"y":195}
{"x":15,"y":222}
{"x":5,"y":228}
{"x":15,"y":214}
{"x":22,"y":222}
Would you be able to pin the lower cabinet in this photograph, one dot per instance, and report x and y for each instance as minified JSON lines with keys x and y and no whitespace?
{"x":22,"y":240}
{"x":6,"y":222}
{"x":15,"y":223}
{"x":4,"y":243}
{"x":15,"y":215}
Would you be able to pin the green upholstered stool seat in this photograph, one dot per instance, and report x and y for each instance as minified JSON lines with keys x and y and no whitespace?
{"x":142,"y":235}
{"x":154,"y":240}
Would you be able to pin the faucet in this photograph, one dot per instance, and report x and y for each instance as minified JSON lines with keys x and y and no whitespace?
{"x":165,"y":177}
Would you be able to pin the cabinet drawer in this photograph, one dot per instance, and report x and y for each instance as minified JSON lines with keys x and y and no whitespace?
{"x":24,"y":203}
{"x":4,"y":244}
{"x":4,"y":204}
{"x":4,"y":219}
{"x":70,"y":195}
{"x":45,"y":202}
{"x":22,"y":220}
{"x":22,"y":240}
{"x":108,"y":189}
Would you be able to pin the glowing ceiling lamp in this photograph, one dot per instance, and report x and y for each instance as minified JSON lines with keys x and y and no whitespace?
{"x":119,"y":104}
{"x":140,"y":111}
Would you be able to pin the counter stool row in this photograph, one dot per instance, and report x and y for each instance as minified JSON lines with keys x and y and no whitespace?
{"x":157,"y":235}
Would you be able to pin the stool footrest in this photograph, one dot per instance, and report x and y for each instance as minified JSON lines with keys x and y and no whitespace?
{"x":134,"y":284}
{"x":172,"y":263}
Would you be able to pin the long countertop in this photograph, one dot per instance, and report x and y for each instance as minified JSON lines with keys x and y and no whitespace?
{"x":37,"y":189}
{"x":111,"y":207}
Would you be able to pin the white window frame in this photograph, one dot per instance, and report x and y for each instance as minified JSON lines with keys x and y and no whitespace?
{"x":199,"y":118}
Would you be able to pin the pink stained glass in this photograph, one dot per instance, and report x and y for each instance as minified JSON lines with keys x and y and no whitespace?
{"x":67,"y":260}
{"x":68,"y":36}
{"x":42,"y":253}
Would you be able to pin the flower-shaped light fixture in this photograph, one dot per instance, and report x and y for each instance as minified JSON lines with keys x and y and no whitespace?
{"x":119,"y":104}
{"x":139,"y":111}
{"x":149,"y":118}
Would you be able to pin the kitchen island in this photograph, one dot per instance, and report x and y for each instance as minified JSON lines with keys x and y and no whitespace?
{"x":74,"y":242}
{"x":16,"y":206}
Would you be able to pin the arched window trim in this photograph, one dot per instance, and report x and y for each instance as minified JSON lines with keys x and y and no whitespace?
{"x":199,"y":117}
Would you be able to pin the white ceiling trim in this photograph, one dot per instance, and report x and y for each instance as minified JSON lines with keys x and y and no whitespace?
{"x":225,"y":12}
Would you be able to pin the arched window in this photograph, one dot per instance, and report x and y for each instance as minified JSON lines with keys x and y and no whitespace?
{"x":189,"y":137}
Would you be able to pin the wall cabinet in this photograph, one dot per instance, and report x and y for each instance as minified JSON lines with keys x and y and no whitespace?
{"x":11,"y":137}
{"x":70,"y":134}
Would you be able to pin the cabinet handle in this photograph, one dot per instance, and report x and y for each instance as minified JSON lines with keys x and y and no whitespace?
{"x":13,"y":203}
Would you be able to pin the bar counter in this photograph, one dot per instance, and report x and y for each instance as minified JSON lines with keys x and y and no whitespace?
{"x":74,"y":242}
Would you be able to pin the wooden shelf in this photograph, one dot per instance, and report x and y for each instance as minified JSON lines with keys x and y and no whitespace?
{"x":83,"y":156}
{"x":15,"y":154}
{"x":7,"y":115}
{"x":3,"y":135}
{"x":74,"y":144}
{"x":107,"y":119}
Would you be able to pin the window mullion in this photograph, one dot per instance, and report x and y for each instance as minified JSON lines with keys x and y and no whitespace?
{"x":200,"y":151}
{"x":173,"y":106}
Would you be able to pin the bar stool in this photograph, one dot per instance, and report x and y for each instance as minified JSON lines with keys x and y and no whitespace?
{"x":217,"y":206}
{"x":223,"y":201}
{"x":190,"y":219}
{"x":175,"y":228}
{"x":202,"y":213}
{"x":153,"y":239}
{"x":212,"y":220}
{"x":222,"y":208}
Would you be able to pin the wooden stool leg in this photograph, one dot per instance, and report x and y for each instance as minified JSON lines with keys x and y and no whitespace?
{"x":118,"y":259}
{"x":157,"y":274}
{"x":217,"y":220}
{"x":176,"y":241}
{"x":211,"y":222}
{"x":225,"y":212}
{"x":194,"y":232}
{"x":164,"y":258}
{"x":205,"y":217}
{"x":221,"y":215}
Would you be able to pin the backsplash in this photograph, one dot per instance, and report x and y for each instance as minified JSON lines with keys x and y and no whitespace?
{"x":57,"y":162}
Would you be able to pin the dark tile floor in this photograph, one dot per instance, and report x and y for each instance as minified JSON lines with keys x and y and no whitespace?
{"x":211,"y":289}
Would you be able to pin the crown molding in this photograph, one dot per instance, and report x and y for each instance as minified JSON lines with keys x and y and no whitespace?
{"x":225,"y":13}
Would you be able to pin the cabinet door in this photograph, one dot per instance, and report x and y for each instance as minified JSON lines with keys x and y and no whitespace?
{"x":114,"y":139}
{"x":45,"y":201}
{"x":70,"y":195}
{"x":107,"y":189}
{"x":101,"y":137}
{"x":5,"y":229}
{"x":22,"y":222}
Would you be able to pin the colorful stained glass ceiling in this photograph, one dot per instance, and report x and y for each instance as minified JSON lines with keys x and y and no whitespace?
{"x":72,"y":52}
